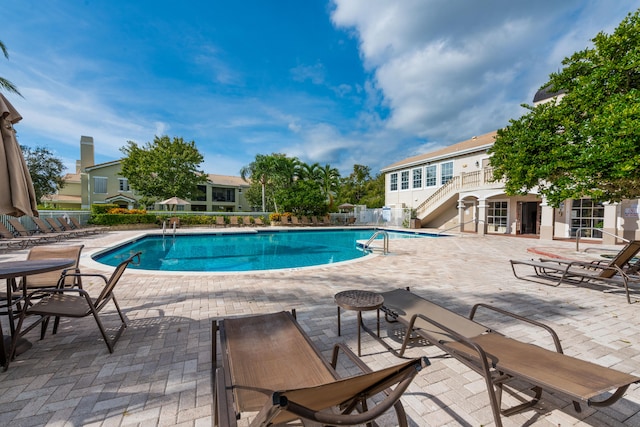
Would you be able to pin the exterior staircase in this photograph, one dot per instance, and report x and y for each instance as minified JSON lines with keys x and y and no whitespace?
{"x":480,"y":179}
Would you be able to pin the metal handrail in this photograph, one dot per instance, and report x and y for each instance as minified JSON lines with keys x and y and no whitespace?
{"x":579,"y":229}
{"x":458,"y":225}
{"x":385,"y":241}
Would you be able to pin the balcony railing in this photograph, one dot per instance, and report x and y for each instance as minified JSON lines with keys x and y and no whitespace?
{"x":464,"y":181}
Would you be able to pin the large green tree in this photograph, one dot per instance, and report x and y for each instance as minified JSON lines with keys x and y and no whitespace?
{"x":585,"y":143}
{"x":269,"y":176}
{"x":4,"y":83}
{"x":163,"y":168}
{"x":45,"y":170}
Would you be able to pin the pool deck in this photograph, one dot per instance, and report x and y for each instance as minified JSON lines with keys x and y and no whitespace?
{"x":160,"y":372}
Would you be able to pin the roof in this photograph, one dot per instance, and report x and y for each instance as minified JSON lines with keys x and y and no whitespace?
{"x":103,"y":165}
{"x":477,"y":143}
{"x":546,"y":93}
{"x":71,"y":177}
{"x":62,"y":198}
{"x":120,"y":197}
{"x":231,"y":181}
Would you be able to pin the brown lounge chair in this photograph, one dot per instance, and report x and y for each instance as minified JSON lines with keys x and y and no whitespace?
{"x":77,"y":226}
{"x":46,"y":230}
{"x":9,"y":241}
{"x":500,"y":359}
{"x":270,"y":365}
{"x":57,"y":228}
{"x":23,"y":232}
{"x":74,"y":303}
{"x":616,"y":272}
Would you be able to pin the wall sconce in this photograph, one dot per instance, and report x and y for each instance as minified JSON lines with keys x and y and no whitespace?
{"x":477,"y":164}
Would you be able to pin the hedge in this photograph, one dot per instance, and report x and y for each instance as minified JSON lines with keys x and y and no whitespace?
{"x":117,"y":219}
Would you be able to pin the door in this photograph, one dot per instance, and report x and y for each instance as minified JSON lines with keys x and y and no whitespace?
{"x":529,"y":218}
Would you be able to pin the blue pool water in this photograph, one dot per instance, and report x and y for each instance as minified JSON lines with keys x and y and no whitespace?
{"x":264,"y":250}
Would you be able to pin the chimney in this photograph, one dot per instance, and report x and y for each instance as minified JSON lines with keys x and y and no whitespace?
{"x":86,"y":152}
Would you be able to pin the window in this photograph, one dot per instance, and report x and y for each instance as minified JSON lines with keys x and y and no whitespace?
{"x":417,"y":178}
{"x":586,"y":215}
{"x":497,"y":217}
{"x":393,"y":182}
{"x":201,"y":195}
{"x":219,"y":194}
{"x":100,"y":185}
{"x":404,"y":180}
{"x":430,"y":179}
{"x":446,"y":172}
{"x":123,"y":184}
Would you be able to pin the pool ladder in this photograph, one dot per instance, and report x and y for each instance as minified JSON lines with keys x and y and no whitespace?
{"x":164,"y":228}
{"x":385,"y":241}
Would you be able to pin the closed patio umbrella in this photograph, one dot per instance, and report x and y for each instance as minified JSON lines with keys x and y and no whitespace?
{"x":17,"y":196}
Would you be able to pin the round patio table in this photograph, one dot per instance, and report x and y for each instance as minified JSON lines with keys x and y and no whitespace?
{"x":10,"y":270}
{"x":359,"y":301}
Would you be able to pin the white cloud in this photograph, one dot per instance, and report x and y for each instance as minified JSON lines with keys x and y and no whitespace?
{"x":450,"y":70}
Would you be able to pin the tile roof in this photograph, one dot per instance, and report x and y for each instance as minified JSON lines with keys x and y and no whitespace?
{"x":232,"y":181}
{"x":477,"y":143}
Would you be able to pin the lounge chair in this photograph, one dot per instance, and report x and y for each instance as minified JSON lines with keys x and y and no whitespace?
{"x":9,"y":241}
{"x":23,"y":232}
{"x":75,"y":303}
{"x":257,"y":221}
{"x":270,"y":365}
{"x":220,"y":221}
{"x":77,"y":226}
{"x":500,"y":359}
{"x":295,"y":221}
{"x":46,"y":230}
{"x":305,"y":221}
{"x":57,"y":228}
{"x":615,"y":272}
{"x":233,"y":221}
{"x":66,"y":227}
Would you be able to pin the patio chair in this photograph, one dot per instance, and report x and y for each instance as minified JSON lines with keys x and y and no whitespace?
{"x":220,"y":221}
{"x":233,"y":221}
{"x":23,"y":232}
{"x":304,"y":220}
{"x":67,"y":227}
{"x":57,"y":228}
{"x":51,"y":279}
{"x":615,"y":272}
{"x":270,"y":365}
{"x":500,"y":359}
{"x":77,"y":226}
{"x":46,"y":230}
{"x":9,"y":241}
{"x":75,"y":303}
{"x":257,"y":221}
{"x":295,"y":221}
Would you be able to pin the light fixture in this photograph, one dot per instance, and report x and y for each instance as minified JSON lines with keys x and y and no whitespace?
{"x":477,"y":164}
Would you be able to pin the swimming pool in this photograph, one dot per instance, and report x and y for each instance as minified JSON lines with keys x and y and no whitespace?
{"x":262,"y":250}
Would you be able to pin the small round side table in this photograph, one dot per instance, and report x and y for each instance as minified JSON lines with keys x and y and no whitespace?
{"x":359,"y":301}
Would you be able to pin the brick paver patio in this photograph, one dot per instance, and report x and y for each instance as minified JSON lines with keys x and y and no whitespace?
{"x":160,"y":372}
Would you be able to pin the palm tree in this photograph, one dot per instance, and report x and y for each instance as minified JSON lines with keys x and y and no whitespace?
{"x":4,"y":83}
{"x":260,"y":170}
{"x":329,"y":179}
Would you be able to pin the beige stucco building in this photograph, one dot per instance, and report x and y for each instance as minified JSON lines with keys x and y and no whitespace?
{"x":453,"y":188}
{"x":102,"y":183}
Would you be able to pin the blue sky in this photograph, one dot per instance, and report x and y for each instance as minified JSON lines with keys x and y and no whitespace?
{"x":340,"y":82}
